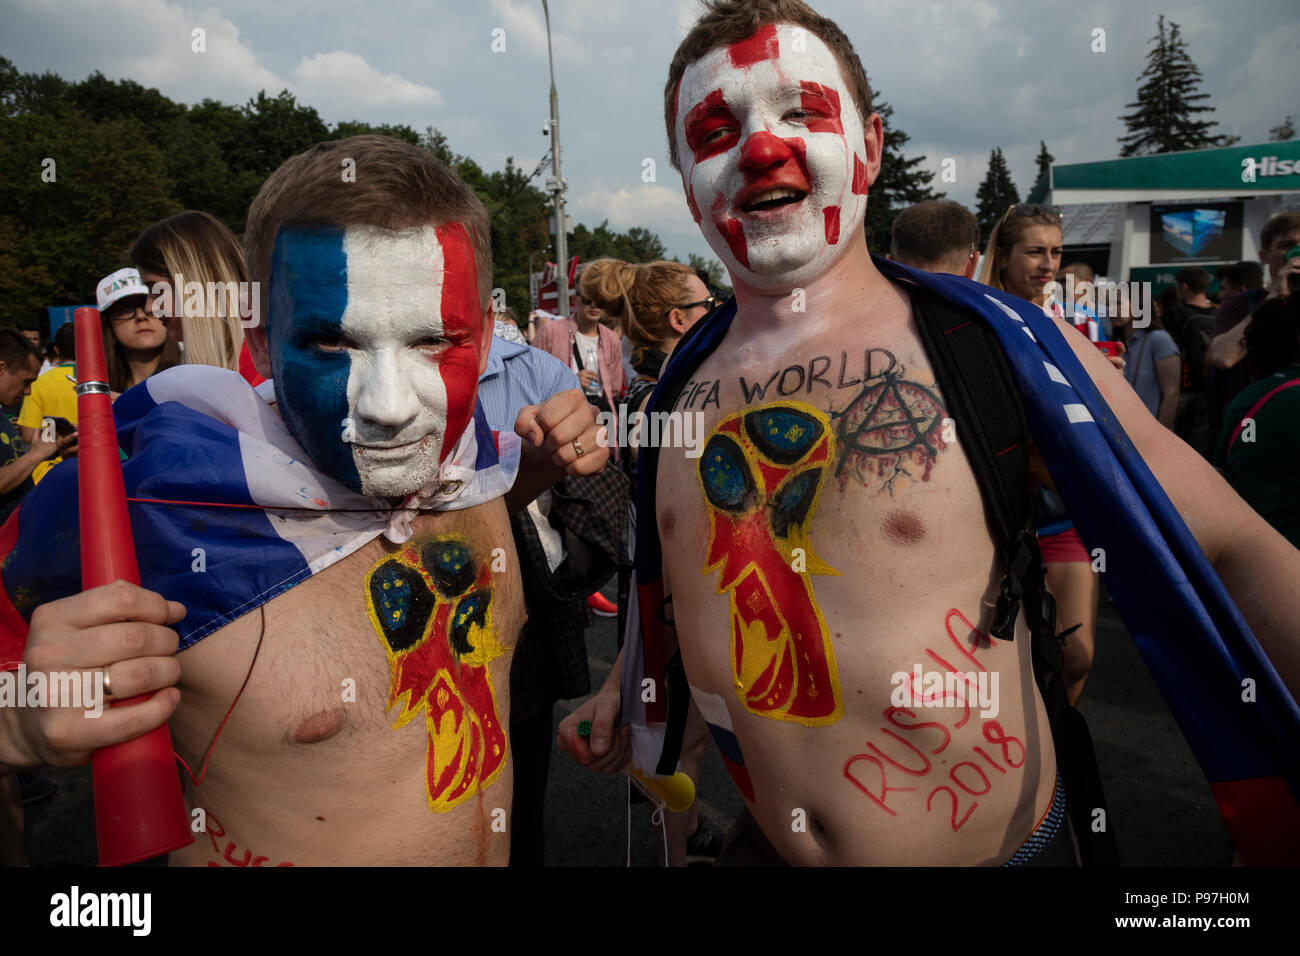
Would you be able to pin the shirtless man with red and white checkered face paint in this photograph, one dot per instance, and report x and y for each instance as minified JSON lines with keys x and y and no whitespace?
{"x":828,"y":557}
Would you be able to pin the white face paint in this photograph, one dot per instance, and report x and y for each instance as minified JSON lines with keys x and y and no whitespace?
{"x":767,"y":119}
{"x":368,"y":368}
{"x":396,"y":394}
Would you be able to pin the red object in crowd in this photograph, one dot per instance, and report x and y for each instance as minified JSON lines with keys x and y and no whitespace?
{"x":247,"y":368}
{"x":139,"y":809}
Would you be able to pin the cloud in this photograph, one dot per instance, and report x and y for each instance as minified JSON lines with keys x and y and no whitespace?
{"x":656,"y":207}
{"x":525,"y":27}
{"x":347,"y":82}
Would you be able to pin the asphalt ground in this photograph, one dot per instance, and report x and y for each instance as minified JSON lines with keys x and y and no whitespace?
{"x":1160,"y":804}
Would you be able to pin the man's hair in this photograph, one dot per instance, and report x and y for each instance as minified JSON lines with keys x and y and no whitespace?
{"x":1195,"y":278}
{"x":397,"y":186}
{"x":725,"y":22}
{"x":15,"y":350}
{"x":1080,"y":270}
{"x":934,"y":232}
{"x":1252,"y":274}
{"x":1279,"y":225}
{"x":65,"y":340}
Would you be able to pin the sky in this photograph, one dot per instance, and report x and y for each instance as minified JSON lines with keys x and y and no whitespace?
{"x":963,"y":76}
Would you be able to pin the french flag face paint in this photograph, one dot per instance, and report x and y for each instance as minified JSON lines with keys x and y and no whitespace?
{"x":374,"y":338}
{"x":773,"y":156}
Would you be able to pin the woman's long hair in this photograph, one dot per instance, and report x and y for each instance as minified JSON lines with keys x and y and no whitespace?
{"x":195,"y":247}
{"x":637,"y":297}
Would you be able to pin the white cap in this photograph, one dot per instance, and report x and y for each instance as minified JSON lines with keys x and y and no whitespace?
{"x":119,"y":285}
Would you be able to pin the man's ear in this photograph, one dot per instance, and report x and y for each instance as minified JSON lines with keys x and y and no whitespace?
{"x":485,"y":334}
{"x":257,"y":348}
{"x":874,"y":140}
{"x":971,"y":263}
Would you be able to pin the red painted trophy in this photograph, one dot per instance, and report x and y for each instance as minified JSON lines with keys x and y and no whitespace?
{"x":139,"y":809}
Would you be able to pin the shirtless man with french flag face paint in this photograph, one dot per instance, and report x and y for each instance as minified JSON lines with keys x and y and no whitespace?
{"x":774,"y":156}
{"x":345,"y":653}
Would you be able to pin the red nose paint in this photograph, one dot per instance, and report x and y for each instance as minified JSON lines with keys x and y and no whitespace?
{"x":765,"y":149}
{"x":859,"y":176}
{"x":763,"y":45}
{"x":832,"y":225}
{"x":824,"y":101}
{"x":707,"y":116}
{"x":458,"y":365}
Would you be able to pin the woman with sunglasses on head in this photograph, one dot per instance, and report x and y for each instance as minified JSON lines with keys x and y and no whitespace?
{"x":1022,"y":257}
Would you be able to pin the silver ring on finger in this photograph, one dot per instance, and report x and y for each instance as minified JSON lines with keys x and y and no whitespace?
{"x":108,"y":684}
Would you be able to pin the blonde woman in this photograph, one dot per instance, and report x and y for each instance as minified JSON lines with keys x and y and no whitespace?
{"x":1022,"y":257}
{"x":199,"y":263}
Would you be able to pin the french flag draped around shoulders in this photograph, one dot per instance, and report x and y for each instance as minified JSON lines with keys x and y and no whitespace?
{"x":226,"y":510}
{"x":1193,"y":638}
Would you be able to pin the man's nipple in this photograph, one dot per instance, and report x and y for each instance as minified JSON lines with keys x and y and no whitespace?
{"x":903,"y":527}
{"x":320,"y":726}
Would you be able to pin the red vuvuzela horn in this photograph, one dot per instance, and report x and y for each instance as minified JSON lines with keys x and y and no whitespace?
{"x":139,"y":809}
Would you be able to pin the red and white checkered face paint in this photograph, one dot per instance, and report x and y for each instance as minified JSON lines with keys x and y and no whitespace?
{"x":773,"y":157}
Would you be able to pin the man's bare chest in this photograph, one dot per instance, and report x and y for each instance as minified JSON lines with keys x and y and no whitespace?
{"x":389,"y":634}
{"x":850,"y":441}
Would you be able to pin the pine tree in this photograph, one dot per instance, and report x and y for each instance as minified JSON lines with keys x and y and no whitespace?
{"x":995,"y":194}
{"x":899,"y":185}
{"x":1167,"y":101}
{"x":1279,"y":134}
{"x":1044,"y":160}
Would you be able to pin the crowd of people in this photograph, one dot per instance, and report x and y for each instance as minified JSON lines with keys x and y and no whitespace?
{"x":407,"y":437}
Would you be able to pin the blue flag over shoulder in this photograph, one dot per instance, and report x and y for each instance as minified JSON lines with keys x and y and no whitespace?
{"x":1191,"y":635}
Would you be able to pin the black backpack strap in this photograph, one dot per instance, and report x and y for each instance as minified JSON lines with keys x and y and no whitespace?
{"x":975,"y":380}
{"x":973,"y":376}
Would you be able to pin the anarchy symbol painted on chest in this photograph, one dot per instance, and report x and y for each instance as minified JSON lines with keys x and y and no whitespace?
{"x":893,"y":429}
{"x":761,"y":475}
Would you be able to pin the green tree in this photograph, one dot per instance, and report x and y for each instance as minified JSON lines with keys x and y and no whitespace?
{"x":1042,"y":181}
{"x":72,"y":226}
{"x":357,"y":128}
{"x":901,"y":182}
{"x":1167,"y":102}
{"x":1280,"y":134}
{"x":996,"y":193}
{"x":1043,"y":161}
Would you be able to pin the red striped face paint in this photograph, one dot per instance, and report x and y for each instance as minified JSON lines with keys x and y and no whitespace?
{"x":773,"y":149}
{"x":461,"y":319}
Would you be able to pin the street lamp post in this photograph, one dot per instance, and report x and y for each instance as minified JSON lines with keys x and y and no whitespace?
{"x":556,"y":184}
